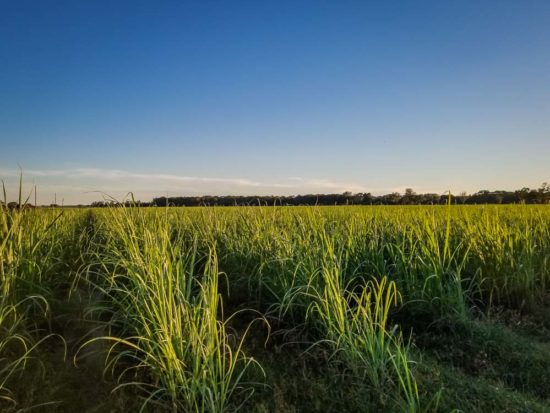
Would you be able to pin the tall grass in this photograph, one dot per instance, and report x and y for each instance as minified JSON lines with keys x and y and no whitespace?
{"x":313,"y":265}
{"x":30,"y":259}
{"x":309,"y":274}
{"x":356,"y":325}
{"x":344,"y":276}
{"x":167,"y":314}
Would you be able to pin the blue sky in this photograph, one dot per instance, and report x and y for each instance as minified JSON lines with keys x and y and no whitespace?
{"x":163,"y":97}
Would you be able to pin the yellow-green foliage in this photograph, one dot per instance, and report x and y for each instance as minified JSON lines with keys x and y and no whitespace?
{"x":338,"y":269}
{"x":31,"y":253}
{"x":339,"y":272}
{"x":166,"y":311}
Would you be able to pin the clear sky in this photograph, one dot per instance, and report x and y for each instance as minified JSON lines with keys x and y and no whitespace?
{"x":273,"y":97}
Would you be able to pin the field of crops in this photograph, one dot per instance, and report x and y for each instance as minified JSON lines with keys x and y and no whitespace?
{"x":275,"y":309}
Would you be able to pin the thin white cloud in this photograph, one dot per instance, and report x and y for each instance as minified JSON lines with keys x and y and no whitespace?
{"x":31,"y":173}
{"x":115,"y":174}
{"x":85,"y":184}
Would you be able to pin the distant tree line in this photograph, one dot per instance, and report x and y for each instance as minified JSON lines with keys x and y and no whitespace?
{"x":410,"y":197}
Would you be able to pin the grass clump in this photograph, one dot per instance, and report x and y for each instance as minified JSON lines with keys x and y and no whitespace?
{"x":170,"y":330}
